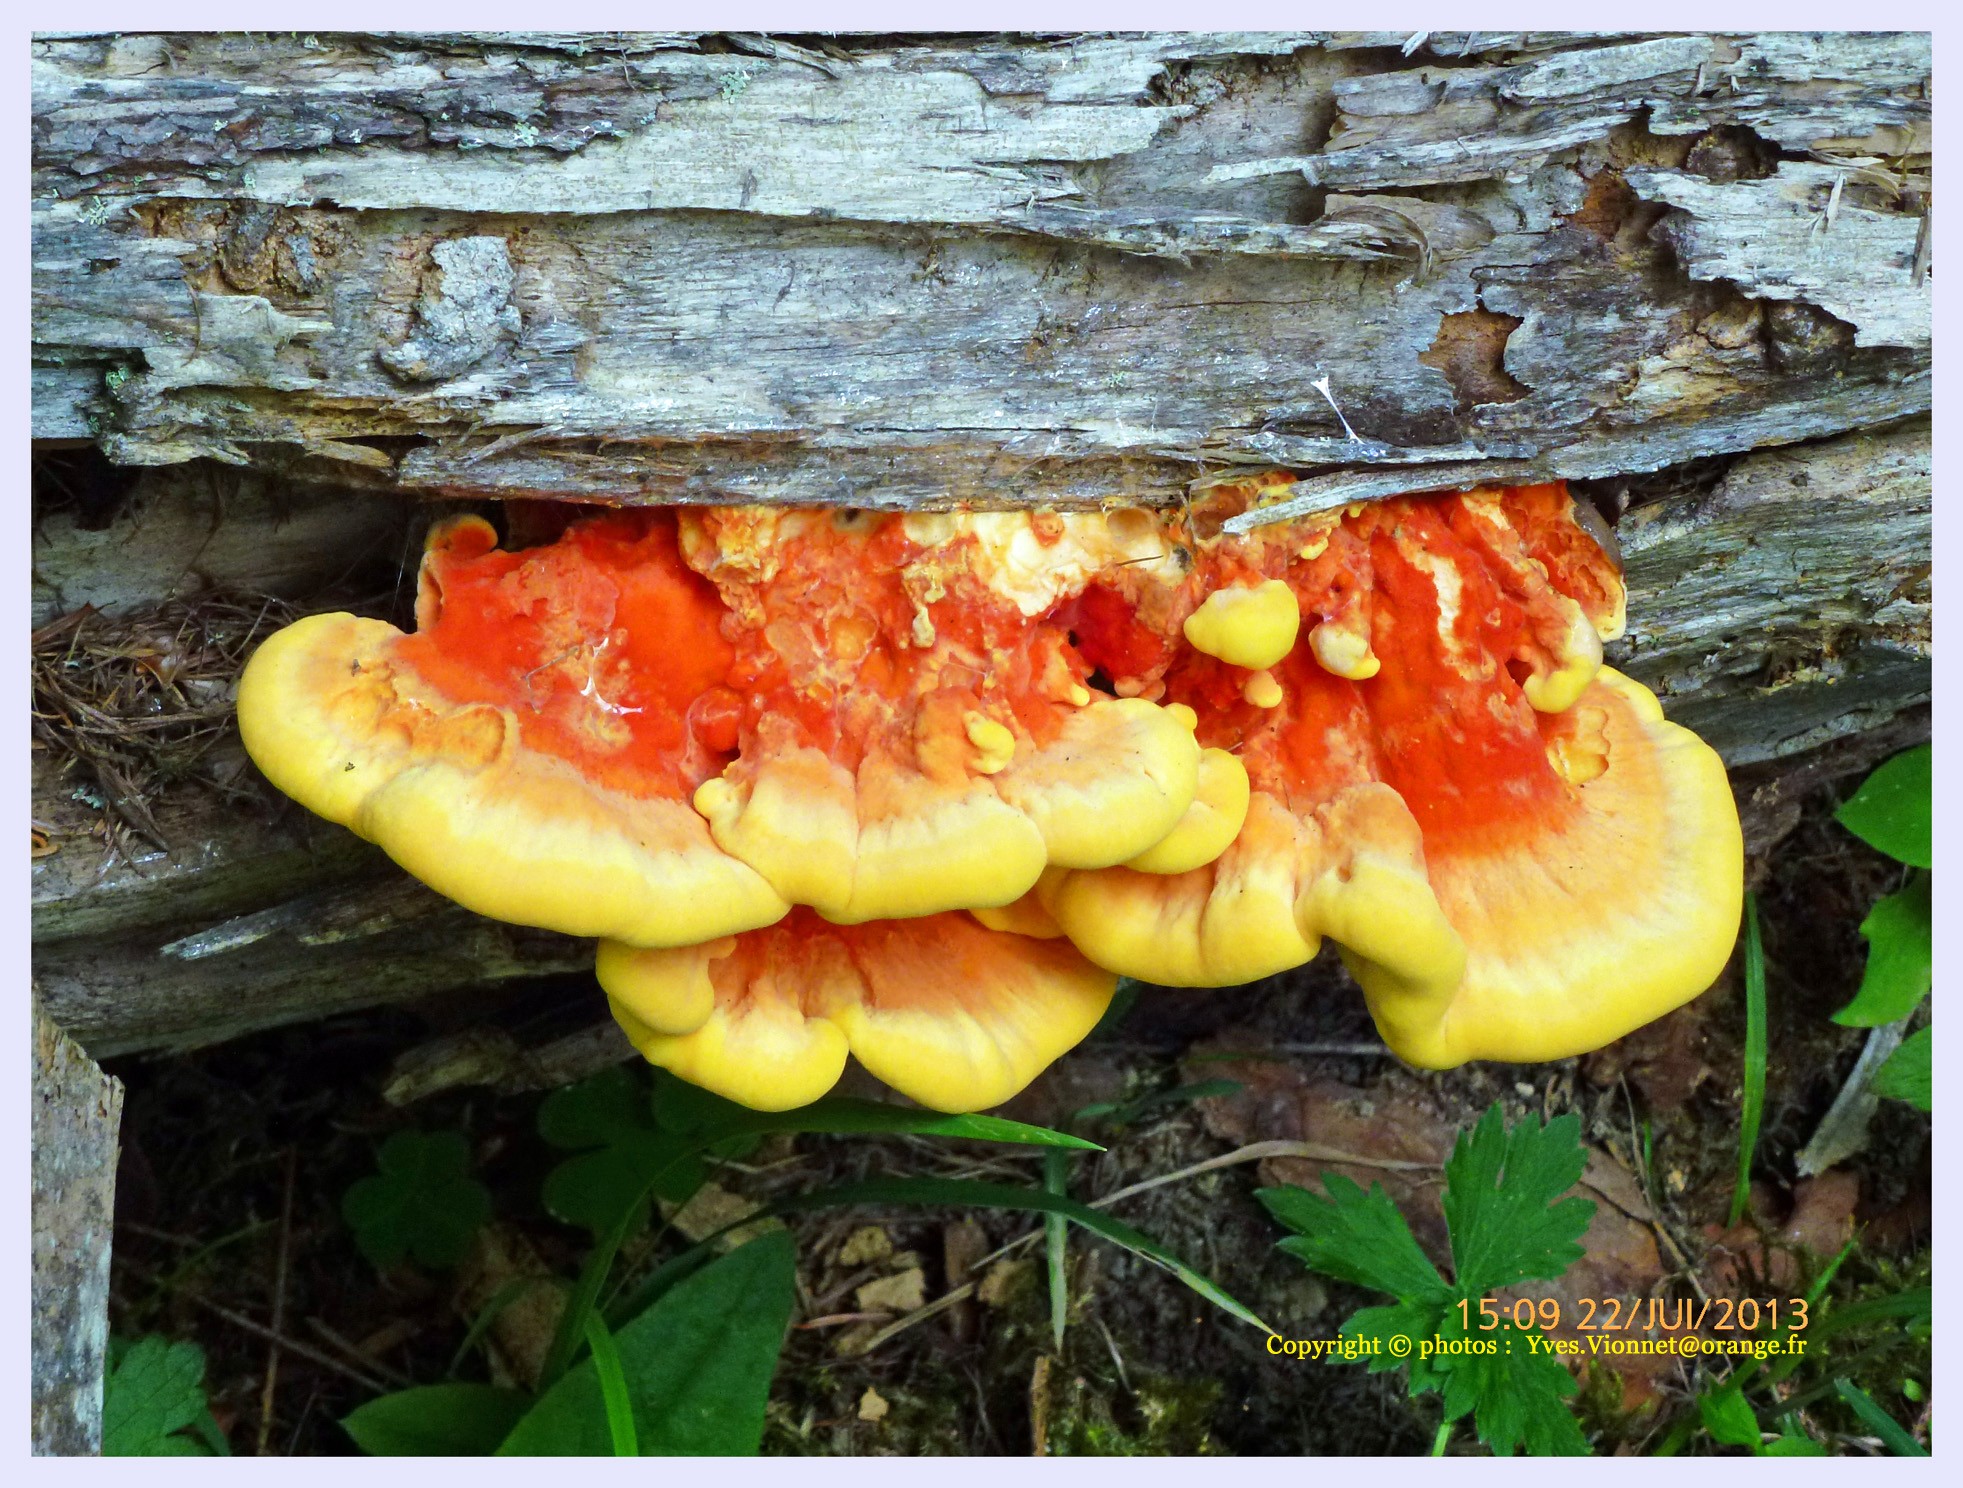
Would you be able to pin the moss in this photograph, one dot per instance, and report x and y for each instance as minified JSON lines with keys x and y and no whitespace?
{"x":1158,"y":1416}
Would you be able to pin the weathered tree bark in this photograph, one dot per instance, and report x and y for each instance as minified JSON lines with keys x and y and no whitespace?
{"x":77,"y":1113}
{"x":1691,"y":271}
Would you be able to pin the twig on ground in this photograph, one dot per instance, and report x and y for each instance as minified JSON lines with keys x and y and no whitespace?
{"x":1253,"y":1152}
{"x":359,"y":1354}
{"x":271,"y":1387}
{"x":292,"y":1345}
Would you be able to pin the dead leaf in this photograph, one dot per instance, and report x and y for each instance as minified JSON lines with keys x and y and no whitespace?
{"x":521,"y":1335}
{"x":1665,"y":1060}
{"x":901,"y":1292}
{"x":863,"y":1246}
{"x":1002,"y":1281}
{"x":1751,"y":1256}
{"x":1279,"y":1101}
{"x":963,"y":1244}
{"x":710,"y":1209}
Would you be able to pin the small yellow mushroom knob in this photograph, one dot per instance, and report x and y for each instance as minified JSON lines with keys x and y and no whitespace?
{"x":1245,"y":627}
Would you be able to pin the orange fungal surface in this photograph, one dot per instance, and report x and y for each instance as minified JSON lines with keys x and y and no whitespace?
{"x":953,"y":1015}
{"x":1128,"y":743}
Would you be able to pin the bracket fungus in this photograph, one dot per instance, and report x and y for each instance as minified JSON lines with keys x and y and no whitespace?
{"x":914,"y":731}
{"x":917,"y":788}
{"x":950,"y":1013}
{"x":530,"y":750}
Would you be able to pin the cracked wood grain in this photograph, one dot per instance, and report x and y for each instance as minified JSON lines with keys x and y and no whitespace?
{"x":915,"y":271}
{"x":77,"y":1120}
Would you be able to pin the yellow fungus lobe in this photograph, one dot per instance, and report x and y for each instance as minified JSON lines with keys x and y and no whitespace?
{"x":994,"y":743}
{"x":1210,"y":824}
{"x":1262,"y":690}
{"x":1343,"y":652}
{"x":1251,"y":628}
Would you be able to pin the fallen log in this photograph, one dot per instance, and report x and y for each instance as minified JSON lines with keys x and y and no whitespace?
{"x":77,"y":1116}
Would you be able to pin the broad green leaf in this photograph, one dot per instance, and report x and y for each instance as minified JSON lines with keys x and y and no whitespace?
{"x":610,"y":1112}
{"x":1892,"y":810}
{"x":421,"y":1203}
{"x":1729,"y":1418}
{"x":1508,"y":1222}
{"x":1356,"y":1237}
{"x":1793,"y":1444}
{"x":1905,"y":1077}
{"x":960,"y":1193}
{"x":154,"y":1391}
{"x":453,"y":1420}
{"x":1503,"y":1203}
{"x":1407,"y":1320}
{"x":697,"y":1366}
{"x":690,"y":1111}
{"x":1517,"y":1396}
{"x":595,"y":1111}
{"x":1900,"y":953}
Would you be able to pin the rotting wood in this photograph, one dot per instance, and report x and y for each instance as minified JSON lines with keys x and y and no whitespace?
{"x":184,"y":529}
{"x":1790,"y":605}
{"x":880,"y":272}
{"x":77,"y":1115}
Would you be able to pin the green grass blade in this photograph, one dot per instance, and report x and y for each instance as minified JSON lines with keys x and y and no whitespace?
{"x":593,"y":1278}
{"x":1883,"y":1425}
{"x":1124,"y":1113}
{"x":613,"y":1389}
{"x":1056,"y":1240}
{"x":1754,"y":1106}
{"x":1832,"y":1269}
{"x":844,"y":1115}
{"x":962,"y":1193}
{"x":502,"y":1298}
{"x":671,"y":1272}
{"x":1913,"y":1303}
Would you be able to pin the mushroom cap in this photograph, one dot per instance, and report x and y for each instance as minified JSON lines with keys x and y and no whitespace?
{"x":1352,"y":866}
{"x":1589,"y":859}
{"x":515,"y":753}
{"x":950,"y":1014}
{"x":1576,"y":549}
{"x":915,"y":732}
{"x":1615,"y":901}
{"x":1322,"y":843}
{"x":1210,"y":824}
{"x":1250,"y":625}
{"x":1428,"y":748}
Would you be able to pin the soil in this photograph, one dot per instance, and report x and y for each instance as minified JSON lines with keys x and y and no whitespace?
{"x":236,"y":1157}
